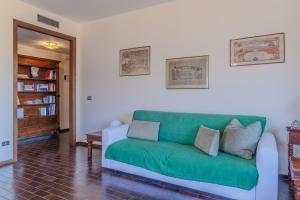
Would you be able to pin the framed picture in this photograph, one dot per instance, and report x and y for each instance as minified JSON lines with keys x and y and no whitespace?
{"x":135,"y":61}
{"x":187,"y":73}
{"x":264,"y":49}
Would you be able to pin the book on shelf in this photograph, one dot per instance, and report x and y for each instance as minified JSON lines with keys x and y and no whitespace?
{"x":50,"y":87}
{"x":50,"y":75}
{"x":18,"y":101}
{"x":42,"y":87}
{"x":20,"y":86}
{"x":49,"y":99}
{"x":25,"y":76}
{"x":45,"y":100}
{"x":20,"y":113}
{"x":34,"y":102}
{"x":25,"y":87}
{"x":29,"y":88}
{"x":48,"y":111}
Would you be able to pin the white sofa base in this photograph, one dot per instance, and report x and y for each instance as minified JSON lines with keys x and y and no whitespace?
{"x":225,"y":191}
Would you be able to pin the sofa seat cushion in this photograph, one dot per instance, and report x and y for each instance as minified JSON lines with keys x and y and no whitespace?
{"x":185,"y":162}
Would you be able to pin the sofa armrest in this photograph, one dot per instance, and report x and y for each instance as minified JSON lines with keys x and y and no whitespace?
{"x":267,"y":166}
{"x":112,"y":135}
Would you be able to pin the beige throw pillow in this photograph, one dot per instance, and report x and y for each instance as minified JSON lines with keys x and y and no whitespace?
{"x":239,"y":140}
{"x":207,"y":140}
{"x":144,"y":130}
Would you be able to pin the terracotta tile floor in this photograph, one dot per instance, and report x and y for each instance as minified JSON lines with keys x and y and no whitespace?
{"x":52,"y":170}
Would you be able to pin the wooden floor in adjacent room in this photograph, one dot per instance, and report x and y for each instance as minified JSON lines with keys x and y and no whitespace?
{"x":52,"y":170}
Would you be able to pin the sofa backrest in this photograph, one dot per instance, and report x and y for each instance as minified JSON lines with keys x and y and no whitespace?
{"x":183,"y":127}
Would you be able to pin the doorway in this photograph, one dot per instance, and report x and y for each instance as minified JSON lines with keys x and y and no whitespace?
{"x":36,"y":84}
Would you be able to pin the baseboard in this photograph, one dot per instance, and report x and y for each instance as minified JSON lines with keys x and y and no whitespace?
{"x":64,"y":130}
{"x":36,"y":138}
{"x":6,"y":162}
{"x":283,"y":176}
{"x":84,"y":144}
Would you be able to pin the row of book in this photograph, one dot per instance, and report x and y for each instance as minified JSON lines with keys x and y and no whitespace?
{"x":45,"y":100}
{"x":50,"y":75}
{"x":48,"y":87}
{"x":49,"y":99}
{"x":33,"y":102}
{"x":48,"y":111}
{"x":24,"y":76}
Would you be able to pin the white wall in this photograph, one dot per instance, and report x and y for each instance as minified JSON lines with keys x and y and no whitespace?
{"x":192,"y":28}
{"x":64,"y":85}
{"x":9,"y":10}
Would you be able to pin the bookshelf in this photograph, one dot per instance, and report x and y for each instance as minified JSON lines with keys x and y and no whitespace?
{"x":38,"y":96}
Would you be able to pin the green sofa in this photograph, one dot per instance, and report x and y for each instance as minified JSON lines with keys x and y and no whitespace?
{"x":175,"y":156}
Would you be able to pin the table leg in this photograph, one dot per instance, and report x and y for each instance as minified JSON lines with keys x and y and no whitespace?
{"x":90,"y":149}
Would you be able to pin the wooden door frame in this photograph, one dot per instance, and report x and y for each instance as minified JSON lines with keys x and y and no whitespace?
{"x":72,"y":86}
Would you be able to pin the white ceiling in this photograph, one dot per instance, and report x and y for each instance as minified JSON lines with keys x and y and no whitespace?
{"x":87,"y":10}
{"x":36,"y":40}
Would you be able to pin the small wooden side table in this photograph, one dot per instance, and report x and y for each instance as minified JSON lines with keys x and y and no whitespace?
{"x":294,"y":163}
{"x":91,"y":137}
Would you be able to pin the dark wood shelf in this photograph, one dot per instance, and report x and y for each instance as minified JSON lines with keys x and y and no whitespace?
{"x":37,"y":130}
{"x":42,"y":104}
{"x":36,"y":79}
{"x":33,"y":123}
{"x":49,"y":127}
{"x":46,"y":67}
{"x":34,"y":92}
{"x":38,"y":117}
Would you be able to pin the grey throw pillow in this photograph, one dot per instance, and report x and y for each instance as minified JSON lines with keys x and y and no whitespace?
{"x":144,"y":130}
{"x":239,"y":140}
{"x":207,"y":140}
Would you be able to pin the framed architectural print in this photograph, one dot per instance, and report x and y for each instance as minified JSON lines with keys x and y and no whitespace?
{"x":264,"y":49}
{"x":135,"y":61}
{"x":187,"y":73}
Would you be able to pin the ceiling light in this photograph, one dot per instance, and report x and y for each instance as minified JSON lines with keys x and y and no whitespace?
{"x":51,"y":45}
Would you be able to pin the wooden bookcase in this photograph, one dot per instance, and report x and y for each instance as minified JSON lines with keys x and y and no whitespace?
{"x":38,"y":97}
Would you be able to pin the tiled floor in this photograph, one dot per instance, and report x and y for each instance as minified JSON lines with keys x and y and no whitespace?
{"x":283,"y":192}
{"x":52,"y":170}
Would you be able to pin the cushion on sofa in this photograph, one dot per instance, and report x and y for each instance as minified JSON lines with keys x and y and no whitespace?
{"x":183,"y":127}
{"x":207,"y":140}
{"x":170,"y":159}
{"x":239,"y":140}
{"x":143,"y":130}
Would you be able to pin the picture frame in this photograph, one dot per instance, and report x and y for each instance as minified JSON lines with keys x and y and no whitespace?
{"x":187,"y":72}
{"x":135,"y":61}
{"x":257,"y":50}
